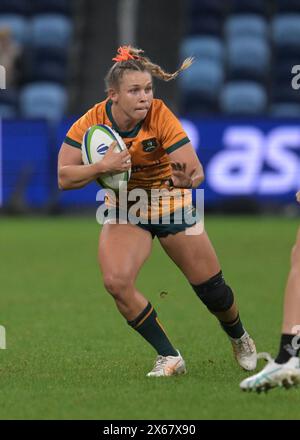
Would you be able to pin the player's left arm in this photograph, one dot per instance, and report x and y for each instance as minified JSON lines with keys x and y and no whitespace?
{"x":187,"y":170}
{"x":298,"y":196}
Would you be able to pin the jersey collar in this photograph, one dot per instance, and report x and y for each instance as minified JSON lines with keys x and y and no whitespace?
{"x":124,"y":134}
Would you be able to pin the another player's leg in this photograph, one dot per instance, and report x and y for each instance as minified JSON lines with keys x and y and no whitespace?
{"x":285,"y":369}
{"x":123,"y":248}
{"x":291,"y":311}
{"x":195,"y":256}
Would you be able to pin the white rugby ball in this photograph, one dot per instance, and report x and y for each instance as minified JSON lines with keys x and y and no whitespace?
{"x":96,"y":142}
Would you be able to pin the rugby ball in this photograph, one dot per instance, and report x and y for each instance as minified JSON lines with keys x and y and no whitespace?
{"x":96,"y":142}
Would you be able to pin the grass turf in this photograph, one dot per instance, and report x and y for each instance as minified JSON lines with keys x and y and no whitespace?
{"x":70,"y":355}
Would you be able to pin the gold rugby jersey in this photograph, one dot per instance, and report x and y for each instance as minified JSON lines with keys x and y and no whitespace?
{"x":149,"y":144}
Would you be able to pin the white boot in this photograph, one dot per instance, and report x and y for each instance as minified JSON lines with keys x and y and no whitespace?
{"x":168,"y":366}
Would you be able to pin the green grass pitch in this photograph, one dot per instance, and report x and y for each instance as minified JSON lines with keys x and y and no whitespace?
{"x":70,"y":355}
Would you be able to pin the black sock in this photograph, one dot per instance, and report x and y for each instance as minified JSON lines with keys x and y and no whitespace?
{"x":147,"y":325}
{"x":234,"y":328}
{"x":286,"y":349}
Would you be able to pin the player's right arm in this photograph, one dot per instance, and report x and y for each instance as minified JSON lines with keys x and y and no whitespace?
{"x":72,"y":174}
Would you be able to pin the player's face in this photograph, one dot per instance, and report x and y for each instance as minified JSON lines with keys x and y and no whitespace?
{"x":135,"y":94}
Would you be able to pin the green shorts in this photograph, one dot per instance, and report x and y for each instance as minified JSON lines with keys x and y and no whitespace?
{"x":178,"y":221}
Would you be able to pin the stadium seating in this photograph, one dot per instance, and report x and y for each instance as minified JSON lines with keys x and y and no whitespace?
{"x":200,"y":86}
{"x":51,"y":30}
{"x":234,"y":43}
{"x":201,"y":83}
{"x":286,"y":42}
{"x":286,"y":30}
{"x":43,"y":29}
{"x":243,"y":98}
{"x":208,"y":47}
{"x":18,"y":25}
{"x":46,"y":64}
{"x":204,"y":77}
{"x":246,"y":25}
{"x":43,"y":100}
{"x":248,"y":58}
{"x":255,"y":43}
{"x":242,"y":64}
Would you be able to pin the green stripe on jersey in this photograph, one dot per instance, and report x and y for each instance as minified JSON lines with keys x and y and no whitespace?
{"x":71,"y":142}
{"x":177,"y":145}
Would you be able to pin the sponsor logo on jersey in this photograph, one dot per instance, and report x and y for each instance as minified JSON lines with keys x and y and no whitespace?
{"x":149,"y":145}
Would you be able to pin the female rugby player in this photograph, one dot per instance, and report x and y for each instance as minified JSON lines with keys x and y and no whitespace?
{"x":285,"y":369}
{"x":160,"y":156}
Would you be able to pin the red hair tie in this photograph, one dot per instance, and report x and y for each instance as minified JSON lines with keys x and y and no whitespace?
{"x":124,"y":55}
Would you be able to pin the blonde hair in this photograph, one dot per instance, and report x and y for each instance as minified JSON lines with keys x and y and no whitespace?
{"x":131,"y":58}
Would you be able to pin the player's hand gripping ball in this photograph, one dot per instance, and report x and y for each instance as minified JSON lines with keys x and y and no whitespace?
{"x":96,"y":142}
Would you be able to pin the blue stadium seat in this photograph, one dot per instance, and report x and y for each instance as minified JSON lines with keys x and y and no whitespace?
{"x":285,"y":110}
{"x":52,"y":30}
{"x":247,"y":6}
{"x":286,"y":30}
{"x":202,"y":47}
{"x":21,"y":7}
{"x":248,"y":58}
{"x":51,"y":6}
{"x":43,"y":100}
{"x":243,"y":98}
{"x":246,"y":25}
{"x":204,"y":78}
{"x":18,"y":25}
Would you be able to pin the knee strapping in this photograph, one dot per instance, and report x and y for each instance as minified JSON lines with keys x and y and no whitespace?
{"x":215,"y":294}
